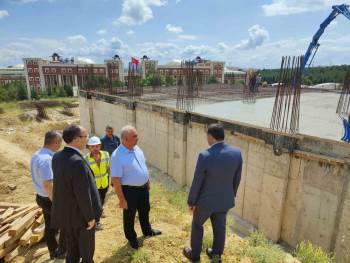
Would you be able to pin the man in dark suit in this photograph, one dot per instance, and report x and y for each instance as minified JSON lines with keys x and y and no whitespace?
{"x":76,"y":203}
{"x":212,"y":194}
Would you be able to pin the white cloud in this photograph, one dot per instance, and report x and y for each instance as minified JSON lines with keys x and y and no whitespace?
{"x":187,"y":37}
{"x":137,"y":12}
{"x":77,"y":39}
{"x":130,"y":32}
{"x":102,"y":32}
{"x":84,"y":60}
{"x":177,"y":1}
{"x":222,"y":46}
{"x":257,"y":36}
{"x":173,"y":29}
{"x":289,"y":7}
{"x":334,"y":23}
{"x":3,"y":13}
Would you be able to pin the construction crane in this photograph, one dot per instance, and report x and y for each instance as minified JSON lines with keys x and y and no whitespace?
{"x":314,"y":45}
{"x":312,"y":50}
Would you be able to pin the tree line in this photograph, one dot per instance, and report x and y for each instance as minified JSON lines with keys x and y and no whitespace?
{"x":311,"y":76}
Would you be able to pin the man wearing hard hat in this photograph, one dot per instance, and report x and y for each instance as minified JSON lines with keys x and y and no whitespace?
{"x":99,"y":164}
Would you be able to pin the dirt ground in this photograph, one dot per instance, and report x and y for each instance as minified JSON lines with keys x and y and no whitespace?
{"x":19,"y":140}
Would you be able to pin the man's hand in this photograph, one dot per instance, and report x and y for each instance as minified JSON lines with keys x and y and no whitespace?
{"x":123,"y":204}
{"x":91,"y":224}
{"x":191,"y":209}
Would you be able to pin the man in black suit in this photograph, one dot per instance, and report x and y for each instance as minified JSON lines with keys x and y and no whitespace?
{"x":76,"y":203}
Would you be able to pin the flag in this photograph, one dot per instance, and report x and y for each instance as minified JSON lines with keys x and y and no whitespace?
{"x":134,"y":61}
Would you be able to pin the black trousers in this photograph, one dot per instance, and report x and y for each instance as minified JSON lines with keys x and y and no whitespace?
{"x":218,"y":222}
{"x":138,"y":201}
{"x":102,"y":193}
{"x":80,"y":245}
{"x":50,"y":233}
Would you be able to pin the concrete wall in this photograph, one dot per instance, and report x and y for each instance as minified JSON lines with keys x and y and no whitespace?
{"x":295,"y":196}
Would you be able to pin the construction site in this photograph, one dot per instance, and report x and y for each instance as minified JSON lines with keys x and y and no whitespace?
{"x":295,"y":184}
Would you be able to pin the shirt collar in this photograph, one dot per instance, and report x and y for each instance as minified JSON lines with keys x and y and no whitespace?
{"x":122,"y":146}
{"x":74,"y":148}
{"x":48,"y":151}
{"x":216,"y":143}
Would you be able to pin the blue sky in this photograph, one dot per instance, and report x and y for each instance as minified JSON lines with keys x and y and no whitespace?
{"x":251,"y":33}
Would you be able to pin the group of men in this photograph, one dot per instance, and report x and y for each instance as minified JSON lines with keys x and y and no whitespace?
{"x":71,"y":189}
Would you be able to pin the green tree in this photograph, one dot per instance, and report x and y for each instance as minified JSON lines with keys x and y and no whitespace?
{"x":212,"y":80}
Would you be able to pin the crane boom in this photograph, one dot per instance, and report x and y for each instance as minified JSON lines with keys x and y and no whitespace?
{"x":312,"y":49}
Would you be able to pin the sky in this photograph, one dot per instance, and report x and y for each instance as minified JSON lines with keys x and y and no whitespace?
{"x":243,"y":33}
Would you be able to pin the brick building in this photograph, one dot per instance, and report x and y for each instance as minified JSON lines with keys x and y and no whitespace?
{"x":42,"y":75}
{"x":206,"y":67}
{"x":10,"y":74}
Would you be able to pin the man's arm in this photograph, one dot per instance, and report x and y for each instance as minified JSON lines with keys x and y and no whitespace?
{"x":82,"y":192}
{"x":237,"y":177}
{"x":119,"y":191}
{"x":48,"y":186}
{"x":197,"y":181}
{"x":116,"y":175}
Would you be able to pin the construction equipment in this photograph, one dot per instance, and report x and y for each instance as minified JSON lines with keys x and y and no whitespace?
{"x":314,"y":45}
{"x":343,"y":108}
{"x":312,"y":50}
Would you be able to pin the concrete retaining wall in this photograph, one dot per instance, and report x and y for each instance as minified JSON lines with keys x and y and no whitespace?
{"x":303,"y":195}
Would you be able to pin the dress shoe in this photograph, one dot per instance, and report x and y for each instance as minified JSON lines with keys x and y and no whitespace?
{"x":154,"y":232}
{"x":134,"y":244}
{"x":187,"y":252}
{"x":57,"y":255}
{"x":211,"y":255}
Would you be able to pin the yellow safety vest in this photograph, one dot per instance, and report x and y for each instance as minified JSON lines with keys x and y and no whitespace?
{"x":100,"y":172}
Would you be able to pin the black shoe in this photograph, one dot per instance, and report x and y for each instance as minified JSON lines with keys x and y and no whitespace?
{"x":57,"y":255}
{"x":134,"y":244}
{"x":154,"y":232}
{"x":212,"y":256}
{"x":187,"y":252}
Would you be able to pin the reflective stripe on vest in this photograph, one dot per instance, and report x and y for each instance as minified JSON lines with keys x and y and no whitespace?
{"x":100,"y":172}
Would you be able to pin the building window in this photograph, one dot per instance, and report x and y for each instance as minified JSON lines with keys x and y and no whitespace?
{"x":30,"y":70}
{"x":79,"y":70}
{"x":29,"y":62}
{"x":47,"y":70}
{"x":36,"y":70}
{"x":63,"y":70}
{"x":102,"y":70}
{"x":95,"y":70}
{"x":70,"y":70}
{"x":85,"y":70}
{"x":53,"y":70}
{"x":207,"y":71}
{"x":37,"y":78}
{"x":175,"y":71}
{"x":219,"y":71}
{"x":31,"y":78}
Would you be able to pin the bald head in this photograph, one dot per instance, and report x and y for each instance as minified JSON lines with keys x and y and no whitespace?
{"x":129,"y":136}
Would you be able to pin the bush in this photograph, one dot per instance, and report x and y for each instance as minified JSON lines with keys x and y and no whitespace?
{"x":170,"y":81}
{"x":13,"y":91}
{"x":262,"y":250}
{"x":69,"y":90}
{"x":307,"y":253}
{"x":212,"y":80}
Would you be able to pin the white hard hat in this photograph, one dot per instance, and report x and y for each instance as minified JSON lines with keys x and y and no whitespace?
{"x":94,"y":140}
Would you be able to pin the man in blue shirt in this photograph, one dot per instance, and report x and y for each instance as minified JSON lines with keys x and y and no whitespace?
{"x":131,"y":182}
{"x":42,"y":176}
{"x":109,"y":142}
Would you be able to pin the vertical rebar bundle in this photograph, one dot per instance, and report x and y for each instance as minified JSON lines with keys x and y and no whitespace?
{"x":343,"y":108}
{"x":134,"y":80}
{"x":188,"y":86}
{"x":286,"y":110}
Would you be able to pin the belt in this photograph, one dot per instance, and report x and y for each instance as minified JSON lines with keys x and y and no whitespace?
{"x":134,"y":186}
